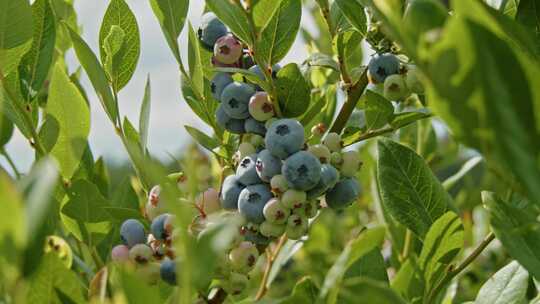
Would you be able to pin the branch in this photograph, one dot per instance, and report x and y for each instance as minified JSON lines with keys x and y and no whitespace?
{"x":271,"y":257}
{"x":353,"y":95}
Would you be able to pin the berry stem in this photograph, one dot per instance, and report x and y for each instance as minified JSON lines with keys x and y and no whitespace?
{"x":354,"y":93}
{"x":271,"y":257}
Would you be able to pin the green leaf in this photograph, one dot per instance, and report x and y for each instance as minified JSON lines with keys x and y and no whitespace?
{"x":136,"y":290}
{"x":95,"y":72}
{"x":304,"y":291}
{"x":125,"y":61}
{"x":466,"y":168}
{"x":203,"y":139}
{"x":354,"y":12}
{"x":12,"y":102}
{"x":86,"y":204}
{"x":144,"y":115}
{"x":371,"y":266}
{"x":408,"y":281}
{"x":112,"y":45}
{"x":37,"y":62}
{"x":6,"y":130}
{"x":356,"y":249}
{"x":15,"y":23}
{"x":348,"y":47}
{"x":322,"y":60}
{"x":370,"y":291}
{"x":379,"y":111}
{"x":67,"y":122}
{"x":442,"y":244}
{"x":263,"y":11}
{"x":516,"y":225}
{"x":479,"y":104}
{"x":251,"y":76}
{"x":405,"y":118}
{"x":195,"y":64}
{"x":409,"y":189}
{"x":13,"y":231}
{"x":528,"y":14}
{"x":293,"y":92}
{"x":171,"y":15}
{"x":507,"y":286}
{"x":279,"y":34}
{"x":53,"y":275}
{"x":233,"y":16}
{"x":10,"y":58}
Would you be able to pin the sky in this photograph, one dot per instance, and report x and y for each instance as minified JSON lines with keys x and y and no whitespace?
{"x":169,"y":111}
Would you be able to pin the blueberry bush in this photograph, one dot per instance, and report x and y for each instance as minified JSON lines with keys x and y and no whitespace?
{"x":398,"y":163}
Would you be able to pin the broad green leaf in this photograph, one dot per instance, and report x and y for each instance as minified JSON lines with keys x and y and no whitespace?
{"x":422,"y":16}
{"x":203,"y":139}
{"x":293,"y":91}
{"x":408,"y":281}
{"x":322,"y":60}
{"x":112,"y":45}
{"x":251,"y":76}
{"x":379,"y":111}
{"x":279,"y":34}
{"x":37,"y":62}
{"x":354,"y":12}
{"x":125,"y":60}
{"x":286,"y":253}
{"x":348,"y":47}
{"x":136,"y":290}
{"x":404,"y":118}
{"x":528,"y":14}
{"x":10,"y":58}
{"x":482,"y":108}
{"x":95,"y":72}
{"x":86,"y":204}
{"x":304,"y":291}
{"x":50,"y":276}
{"x":409,"y":189}
{"x":507,"y":286}
{"x":12,"y":219}
{"x":353,"y":251}
{"x":67,"y":122}
{"x":263,"y":11}
{"x":171,"y":15}
{"x":234,"y":17}
{"x":369,"y":291}
{"x":144,"y":115}
{"x":6,"y":130}
{"x":442,"y":244}
{"x":15,"y":23}
{"x":196,"y":72}
{"x":371,"y":266}
{"x":12,"y":104}
{"x":517,"y":226}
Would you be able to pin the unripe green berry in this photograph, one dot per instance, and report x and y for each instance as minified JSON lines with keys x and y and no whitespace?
{"x":293,"y":198}
{"x":412,"y":80}
{"x":333,"y":142}
{"x":274,"y":212}
{"x":256,"y":140}
{"x":318,"y":130}
{"x":279,"y":184}
{"x":308,"y":210}
{"x":237,"y":283}
{"x":395,"y":88}
{"x":336,"y":159}
{"x":246,"y":149}
{"x":148,"y":272}
{"x":269,"y":122}
{"x":297,"y":227}
{"x":244,"y":257}
{"x":140,"y":253}
{"x":321,"y":152}
{"x":271,"y":229}
{"x":351,"y":163}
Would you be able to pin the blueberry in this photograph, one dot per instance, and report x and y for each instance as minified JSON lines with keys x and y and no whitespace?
{"x":244,"y":257}
{"x":167,"y":271}
{"x":302,"y":170}
{"x":256,"y":237}
{"x":236,"y":283}
{"x":343,"y":194}
{"x":257,"y":140}
{"x":275,"y":212}
{"x":232,"y":125}
{"x":140,"y":253}
{"x":120,"y":253}
{"x":235,"y":99}
{"x":254,"y":127}
{"x":245,"y":149}
{"x":246,"y":171}
{"x":252,"y":201}
{"x":308,"y":210}
{"x":382,"y":66}
{"x":293,"y":198}
{"x":218,"y":83}
{"x":230,"y":192}
{"x":227,"y":49}
{"x":329,"y":178}
{"x":351,"y":163}
{"x":321,"y":152}
{"x":260,"y":106}
{"x":208,"y":201}
{"x":132,"y":233}
{"x":257,"y":70}
{"x":395,"y":88}
{"x":412,"y":80}
{"x":318,"y":130}
{"x":333,"y":142}
{"x":279,"y":184}
{"x":210,"y":30}
{"x":158,"y":227}
{"x":267,"y":165}
{"x":297,"y":227}
{"x":272,"y":230}
{"x":285,"y":137}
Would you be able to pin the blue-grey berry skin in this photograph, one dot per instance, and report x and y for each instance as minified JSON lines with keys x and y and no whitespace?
{"x":230,"y":191}
{"x":257,"y":70}
{"x":158,"y":227}
{"x":252,"y":201}
{"x":228,"y":123}
{"x":254,"y":127}
{"x":246,"y":171}
{"x":329,"y":178}
{"x":167,"y":271}
{"x":284,"y":137}
{"x":132,"y":233}
{"x":218,"y":83}
{"x":267,"y":165}
{"x":382,"y":66}
{"x":211,"y":30}
{"x":235,"y":99}
{"x":343,"y":194}
{"x":302,"y":171}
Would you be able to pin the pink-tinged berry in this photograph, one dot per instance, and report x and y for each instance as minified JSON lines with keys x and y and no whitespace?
{"x":228,"y":49}
{"x":208,"y":201}
{"x":260,"y":107}
{"x":141,"y":253}
{"x":275,"y":212}
{"x":279,"y":184}
{"x":120,"y":253}
{"x":218,"y":64}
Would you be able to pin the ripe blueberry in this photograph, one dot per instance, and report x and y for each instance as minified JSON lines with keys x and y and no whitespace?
{"x":382,"y":66}
{"x":302,"y":170}
{"x":246,"y":171}
{"x":253,"y":126}
{"x":228,"y":123}
{"x":210,"y":30}
{"x":329,"y":178}
{"x":235,"y":99}
{"x":218,"y":83}
{"x":230,"y":192}
{"x":267,"y":165}
{"x":285,"y":137}
{"x":343,"y":194}
{"x":167,"y":271}
{"x":132,"y":233}
{"x":252,"y":201}
{"x":158,"y":227}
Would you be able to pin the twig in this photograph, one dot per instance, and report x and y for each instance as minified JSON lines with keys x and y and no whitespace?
{"x":353,"y":95}
{"x":407,"y":245}
{"x":451,"y":273}
{"x":271,"y":257}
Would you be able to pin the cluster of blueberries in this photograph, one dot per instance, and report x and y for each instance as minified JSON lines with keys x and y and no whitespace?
{"x":152,"y":254}
{"x":391,"y":79}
